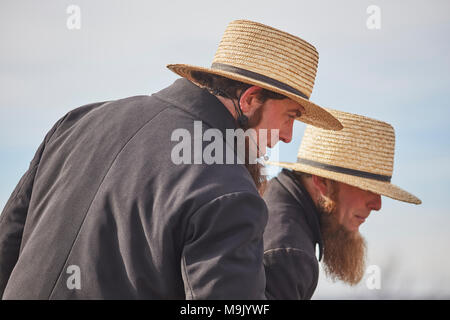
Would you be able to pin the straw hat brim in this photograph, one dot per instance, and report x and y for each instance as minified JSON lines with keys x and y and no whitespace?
{"x":313,"y":114}
{"x":377,"y":187}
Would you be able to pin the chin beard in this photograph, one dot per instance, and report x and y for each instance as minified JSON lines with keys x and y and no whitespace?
{"x":258,"y":178}
{"x":344,"y":253}
{"x":255,"y":169}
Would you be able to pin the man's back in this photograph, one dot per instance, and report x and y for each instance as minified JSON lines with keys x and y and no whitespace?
{"x":103,"y":197}
{"x":290,"y":239}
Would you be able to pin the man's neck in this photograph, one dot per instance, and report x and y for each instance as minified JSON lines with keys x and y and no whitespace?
{"x":309,"y":186}
{"x":229,"y":105}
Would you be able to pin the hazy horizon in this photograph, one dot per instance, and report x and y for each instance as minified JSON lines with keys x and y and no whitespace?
{"x":399,"y":73}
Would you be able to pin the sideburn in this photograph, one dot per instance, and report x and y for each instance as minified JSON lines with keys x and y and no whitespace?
{"x":255,"y":169}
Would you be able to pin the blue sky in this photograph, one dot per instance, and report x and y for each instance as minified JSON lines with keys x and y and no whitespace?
{"x":399,"y":74}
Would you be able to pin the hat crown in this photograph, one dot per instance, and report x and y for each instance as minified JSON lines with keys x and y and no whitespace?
{"x":364,"y":144}
{"x":269,"y":52}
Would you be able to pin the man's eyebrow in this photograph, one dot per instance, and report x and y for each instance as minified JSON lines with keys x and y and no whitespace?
{"x":296,"y":109}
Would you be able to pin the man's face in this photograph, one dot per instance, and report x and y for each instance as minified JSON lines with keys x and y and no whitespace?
{"x":279,"y":115}
{"x":353,"y":205}
{"x":343,"y":209}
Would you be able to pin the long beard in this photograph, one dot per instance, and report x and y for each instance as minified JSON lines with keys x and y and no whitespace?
{"x":344,"y":253}
{"x":258,"y":178}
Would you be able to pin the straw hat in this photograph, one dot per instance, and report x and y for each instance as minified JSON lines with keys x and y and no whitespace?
{"x":361,"y":155}
{"x":260,"y":55}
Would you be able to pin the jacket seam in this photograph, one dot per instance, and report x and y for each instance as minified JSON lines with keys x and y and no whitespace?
{"x":188,"y":223}
{"x":221,"y":196}
{"x":191,"y":291}
{"x":185,"y":111}
{"x":289,"y":249}
{"x":95,"y":195}
{"x":30,"y":170}
{"x":17,"y":194}
{"x":313,"y":285}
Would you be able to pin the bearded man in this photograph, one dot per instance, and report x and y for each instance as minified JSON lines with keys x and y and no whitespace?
{"x":105,"y":213}
{"x":322,"y":199}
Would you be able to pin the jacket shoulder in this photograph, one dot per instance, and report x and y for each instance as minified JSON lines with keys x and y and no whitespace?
{"x":287,"y":226}
{"x":291,"y":274}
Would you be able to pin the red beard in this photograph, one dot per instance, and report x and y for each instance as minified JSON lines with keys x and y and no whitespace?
{"x":344,"y":253}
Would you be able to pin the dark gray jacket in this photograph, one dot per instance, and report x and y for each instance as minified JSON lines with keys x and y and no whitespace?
{"x":102,"y":195}
{"x":290,"y":238}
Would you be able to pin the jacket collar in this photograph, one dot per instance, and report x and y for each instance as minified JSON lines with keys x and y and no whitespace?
{"x":199,"y":102}
{"x":312,"y":215}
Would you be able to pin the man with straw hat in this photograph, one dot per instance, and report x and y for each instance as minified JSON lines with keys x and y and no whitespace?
{"x":105,"y":211}
{"x":322,"y":199}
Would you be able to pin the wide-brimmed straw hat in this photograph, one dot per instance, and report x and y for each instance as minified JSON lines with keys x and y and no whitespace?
{"x":260,"y":55}
{"x":361,"y":155}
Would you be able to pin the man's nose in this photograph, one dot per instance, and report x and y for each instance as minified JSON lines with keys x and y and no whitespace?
{"x":286,"y":135}
{"x":375,"y":202}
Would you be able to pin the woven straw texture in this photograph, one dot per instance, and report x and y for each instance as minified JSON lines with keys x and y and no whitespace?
{"x":364,"y":144}
{"x":271,"y":53}
{"x":265,"y":50}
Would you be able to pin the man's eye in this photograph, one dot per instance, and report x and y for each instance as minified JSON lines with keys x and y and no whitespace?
{"x":296,"y":115}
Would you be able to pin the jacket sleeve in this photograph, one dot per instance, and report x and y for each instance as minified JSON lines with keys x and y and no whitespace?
{"x":14,"y":214}
{"x":291,"y":274}
{"x":223,"y":253}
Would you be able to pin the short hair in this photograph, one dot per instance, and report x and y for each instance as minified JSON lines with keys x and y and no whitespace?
{"x":300,"y":174}
{"x":225,"y":87}
{"x":303,"y":175}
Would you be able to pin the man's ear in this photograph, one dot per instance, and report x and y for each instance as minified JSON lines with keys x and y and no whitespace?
{"x":320,"y":184}
{"x":250,"y":100}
